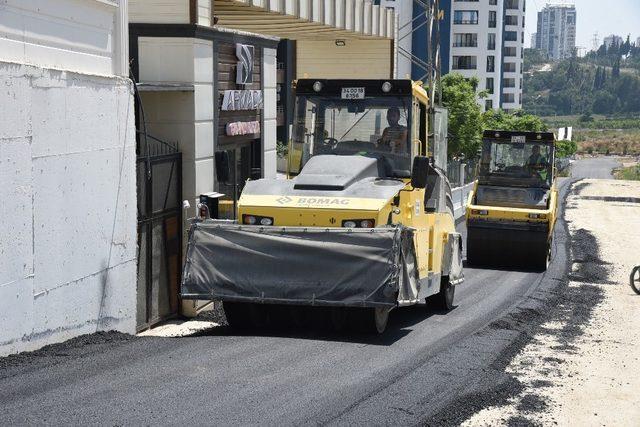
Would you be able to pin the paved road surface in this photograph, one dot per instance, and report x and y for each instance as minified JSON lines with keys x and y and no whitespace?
{"x":419,"y":367}
{"x":596,"y":167}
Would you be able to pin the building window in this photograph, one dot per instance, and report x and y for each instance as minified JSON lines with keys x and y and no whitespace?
{"x":509,"y":98}
{"x":510,"y":51}
{"x":511,"y":20}
{"x":464,"y":63}
{"x":465,"y":17}
{"x":491,"y":41}
{"x":511,"y":4}
{"x":490,"y":85}
{"x":509,"y":67}
{"x":511,"y":36}
{"x":491,"y":64}
{"x":493,"y":2}
{"x":509,"y":83}
{"x":465,"y":40}
{"x":493,"y":19}
{"x":488,"y":104}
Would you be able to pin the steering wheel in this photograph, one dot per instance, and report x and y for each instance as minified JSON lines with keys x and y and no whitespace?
{"x":330,"y":142}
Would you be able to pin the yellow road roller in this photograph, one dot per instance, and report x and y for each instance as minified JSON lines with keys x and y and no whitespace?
{"x":512,"y":209}
{"x":363,"y":224}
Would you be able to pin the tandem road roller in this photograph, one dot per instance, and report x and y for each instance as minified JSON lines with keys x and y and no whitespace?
{"x":364,"y":224}
{"x":512,"y":209}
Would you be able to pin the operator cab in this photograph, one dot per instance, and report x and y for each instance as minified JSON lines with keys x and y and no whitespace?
{"x":369,"y":118}
{"x":516,"y":169}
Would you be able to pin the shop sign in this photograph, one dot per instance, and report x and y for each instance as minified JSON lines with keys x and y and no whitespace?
{"x":242,"y":100}
{"x":244,"y":69}
{"x":242,"y":128}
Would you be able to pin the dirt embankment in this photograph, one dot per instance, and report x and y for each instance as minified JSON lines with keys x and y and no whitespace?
{"x":582,"y":365}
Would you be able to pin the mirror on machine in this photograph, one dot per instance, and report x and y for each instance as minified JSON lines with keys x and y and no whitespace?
{"x":420,"y":171}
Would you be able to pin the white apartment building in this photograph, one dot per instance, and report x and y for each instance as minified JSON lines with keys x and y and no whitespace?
{"x":487,"y":42}
{"x":557,"y":31}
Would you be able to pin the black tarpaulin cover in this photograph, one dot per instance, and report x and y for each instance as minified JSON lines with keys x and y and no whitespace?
{"x":315,"y":266}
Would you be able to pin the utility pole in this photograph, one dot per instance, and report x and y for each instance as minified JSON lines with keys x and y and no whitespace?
{"x":428,"y":17}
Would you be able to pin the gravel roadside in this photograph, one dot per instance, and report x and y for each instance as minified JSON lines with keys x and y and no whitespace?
{"x":581,"y":365}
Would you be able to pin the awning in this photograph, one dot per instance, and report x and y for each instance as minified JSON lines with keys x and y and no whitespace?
{"x":308,"y":19}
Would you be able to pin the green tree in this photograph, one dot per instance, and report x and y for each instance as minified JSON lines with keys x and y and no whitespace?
{"x":626,"y":46}
{"x":616,"y":68}
{"x":459,"y":95}
{"x":517,"y":121}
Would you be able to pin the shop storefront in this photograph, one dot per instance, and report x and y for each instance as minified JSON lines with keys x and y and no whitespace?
{"x":214,"y":80}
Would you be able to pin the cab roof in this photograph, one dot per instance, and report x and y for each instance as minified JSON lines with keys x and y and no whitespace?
{"x":504,"y":135}
{"x":372,"y":87}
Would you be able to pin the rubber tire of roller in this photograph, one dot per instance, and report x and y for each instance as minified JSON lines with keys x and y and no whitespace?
{"x":238,"y":314}
{"x":542,"y":260}
{"x":443,"y":300}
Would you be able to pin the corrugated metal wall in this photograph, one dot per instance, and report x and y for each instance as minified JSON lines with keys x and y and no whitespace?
{"x":365,"y":59}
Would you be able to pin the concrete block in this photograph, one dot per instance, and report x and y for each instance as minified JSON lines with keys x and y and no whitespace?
{"x":203,"y":176}
{"x":203,"y":61}
{"x":87,"y":116}
{"x":90,"y":304}
{"x":16,"y":233}
{"x":73,"y":234}
{"x":270,"y":103}
{"x":203,"y":102}
{"x":269,"y":68}
{"x":14,"y":102}
{"x":269,"y":161}
{"x":269,"y":134}
{"x":16,"y":303}
{"x":203,"y":139}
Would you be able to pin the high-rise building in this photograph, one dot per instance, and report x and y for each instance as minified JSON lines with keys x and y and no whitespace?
{"x":613,"y":39}
{"x":638,"y":42}
{"x":534,"y":43}
{"x":556,"y":34}
{"x":487,"y":42}
{"x":483,"y":39}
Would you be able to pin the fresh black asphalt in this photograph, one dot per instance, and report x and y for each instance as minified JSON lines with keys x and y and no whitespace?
{"x":430,"y":368}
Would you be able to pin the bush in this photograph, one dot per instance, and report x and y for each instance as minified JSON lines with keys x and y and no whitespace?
{"x":566,"y":148}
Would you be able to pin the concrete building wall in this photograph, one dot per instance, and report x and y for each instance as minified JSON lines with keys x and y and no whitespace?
{"x":367,"y":59}
{"x":67,"y":168}
{"x":83,"y":36}
{"x":68,"y":246}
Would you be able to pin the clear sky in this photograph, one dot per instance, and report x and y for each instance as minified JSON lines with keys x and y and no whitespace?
{"x":620,"y":17}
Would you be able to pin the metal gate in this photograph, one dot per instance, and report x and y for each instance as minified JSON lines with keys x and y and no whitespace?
{"x":159,"y":181}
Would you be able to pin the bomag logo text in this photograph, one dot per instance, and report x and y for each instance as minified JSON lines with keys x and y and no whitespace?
{"x":321,"y":201}
{"x":324,"y":201}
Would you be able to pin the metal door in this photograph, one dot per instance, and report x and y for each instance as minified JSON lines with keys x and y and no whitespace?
{"x":159,"y":180}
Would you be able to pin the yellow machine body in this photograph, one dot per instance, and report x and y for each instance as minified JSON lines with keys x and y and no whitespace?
{"x":512,"y":223}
